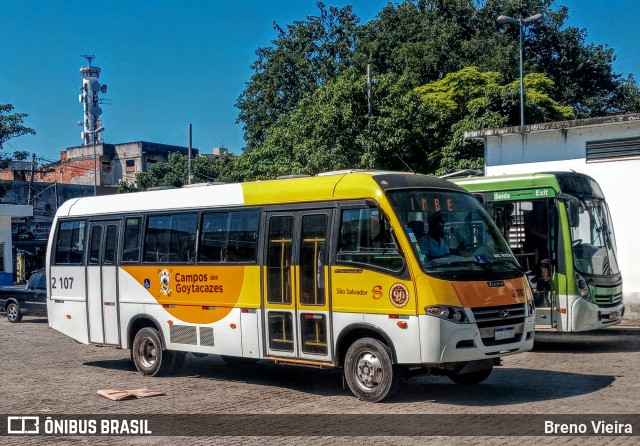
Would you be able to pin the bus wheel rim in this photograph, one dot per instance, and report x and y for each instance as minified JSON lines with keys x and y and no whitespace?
{"x":148,"y":353}
{"x":369,"y":371}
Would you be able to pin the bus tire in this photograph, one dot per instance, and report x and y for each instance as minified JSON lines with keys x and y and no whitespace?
{"x":369,"y":370}
{"x":147,"y":353}
{"x":468,"y":379}
{"x":13,"y":312}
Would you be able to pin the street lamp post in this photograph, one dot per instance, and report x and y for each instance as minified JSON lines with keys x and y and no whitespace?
{"x":95,"y":159}
{"x":503,"y":20}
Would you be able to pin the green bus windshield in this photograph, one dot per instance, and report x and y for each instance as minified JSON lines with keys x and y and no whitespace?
{"x":593,"y":242}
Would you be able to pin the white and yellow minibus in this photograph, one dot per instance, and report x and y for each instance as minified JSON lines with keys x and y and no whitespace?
{"x":334,"y":270}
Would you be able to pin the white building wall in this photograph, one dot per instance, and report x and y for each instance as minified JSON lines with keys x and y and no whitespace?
{"x":564,"y":150}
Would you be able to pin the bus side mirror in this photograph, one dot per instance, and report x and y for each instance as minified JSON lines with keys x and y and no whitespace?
{"x":574,"y":214}
{"x":377,"y":227}
{"x":491,"y":210}
{"x":573,"y":208}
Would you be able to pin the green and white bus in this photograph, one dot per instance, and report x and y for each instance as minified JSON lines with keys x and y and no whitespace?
{"x":559,"y":228}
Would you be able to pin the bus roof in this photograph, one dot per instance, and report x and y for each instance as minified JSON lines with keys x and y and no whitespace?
{"x":504,"y":182}
{"x":324,"y":187}
{"x":573,"y":183}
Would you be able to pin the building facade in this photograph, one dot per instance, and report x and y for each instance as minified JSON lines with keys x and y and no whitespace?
{"x":109,"y":165}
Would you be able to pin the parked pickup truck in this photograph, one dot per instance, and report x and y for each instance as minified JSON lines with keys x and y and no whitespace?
{"x":30,"y":299}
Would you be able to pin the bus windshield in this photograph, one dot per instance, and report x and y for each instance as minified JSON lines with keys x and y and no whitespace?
{"x":593,"y":242}
{"x":451,"y":234}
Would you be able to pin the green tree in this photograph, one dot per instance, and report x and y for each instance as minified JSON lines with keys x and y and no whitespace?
{"x":304,"y":109}
{"x":174,"y":173}
{"x":11,"y":127}
{"x":304,"y":56}
{"x":331,"y":129}
{"x":423,"y":128}
{"x":427,"y":39}
{"x":421,"y":40}
{"x":469,"y":100}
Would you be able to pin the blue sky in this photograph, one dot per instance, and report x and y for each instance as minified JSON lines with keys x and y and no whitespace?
{"x":168,"y":63}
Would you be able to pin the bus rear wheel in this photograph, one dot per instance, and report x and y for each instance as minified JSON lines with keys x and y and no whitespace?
{"x":470,"y":378}
{"x":369,"y":370}
{"x":147,"y":353}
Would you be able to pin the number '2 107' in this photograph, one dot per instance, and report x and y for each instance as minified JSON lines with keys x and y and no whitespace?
{"x":65,"y":283}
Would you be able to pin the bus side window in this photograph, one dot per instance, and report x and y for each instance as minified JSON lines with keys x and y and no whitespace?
{"x":131,"y":247}
{"x":171,"y":238}
{"x":243,"y":236}
{"x":361,"y":244}
{"x":229,"y":237}
{"x":213,"y":237}
{"x":70,"y":242}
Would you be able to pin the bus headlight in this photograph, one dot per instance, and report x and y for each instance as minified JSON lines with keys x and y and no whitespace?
{"x":583,"y":288}
{"x":451,"y":314}
{"x":531,"y":308}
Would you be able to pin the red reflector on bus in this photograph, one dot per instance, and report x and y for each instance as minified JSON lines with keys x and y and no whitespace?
{"x":244,"y":310}
{"x":394,"y":316}
{"x":168,"y":306}
{"x":208,"y":308}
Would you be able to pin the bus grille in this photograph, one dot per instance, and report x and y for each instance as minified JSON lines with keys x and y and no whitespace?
{"x":206,"y":336}
{"x":607,"y":300}
{"x":183,"y":334}
{"x":491,"y":318}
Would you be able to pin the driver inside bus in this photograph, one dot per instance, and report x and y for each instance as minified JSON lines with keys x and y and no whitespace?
{"x":436,"y":243}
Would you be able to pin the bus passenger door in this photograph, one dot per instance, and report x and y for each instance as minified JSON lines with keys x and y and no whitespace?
{"x":295,"y":297}
{"x":102,"y":282}
{"x":312,"y":285}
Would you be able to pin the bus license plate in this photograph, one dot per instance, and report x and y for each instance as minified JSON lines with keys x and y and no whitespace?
{"x":614,"y":315}
{"x":504,"y":333}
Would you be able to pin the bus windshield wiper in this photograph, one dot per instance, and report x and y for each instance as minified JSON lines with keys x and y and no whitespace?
{"x":455,"y":263}
{"x":510,"y":261}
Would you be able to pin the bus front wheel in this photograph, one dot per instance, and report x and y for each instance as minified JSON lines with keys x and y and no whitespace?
{"x":369,"y":370}
{"x":147,"y":353}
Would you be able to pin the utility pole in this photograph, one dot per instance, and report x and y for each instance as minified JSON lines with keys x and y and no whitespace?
{"x":503,"y":20}
{"x":33,"y":169}
{"x":189,"y":158}
{"x":369,"y":84}
{"x":369,"y":88}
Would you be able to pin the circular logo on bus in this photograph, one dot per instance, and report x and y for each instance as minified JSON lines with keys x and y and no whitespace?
{"x":165,"y":281}
{"x":399,"y":295}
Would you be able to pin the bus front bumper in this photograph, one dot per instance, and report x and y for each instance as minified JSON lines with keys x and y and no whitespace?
{"x":589,"y":316}
{"x":445,"y":341}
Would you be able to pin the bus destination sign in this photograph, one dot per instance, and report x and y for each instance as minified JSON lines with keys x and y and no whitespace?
{"x":524,"y":194}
